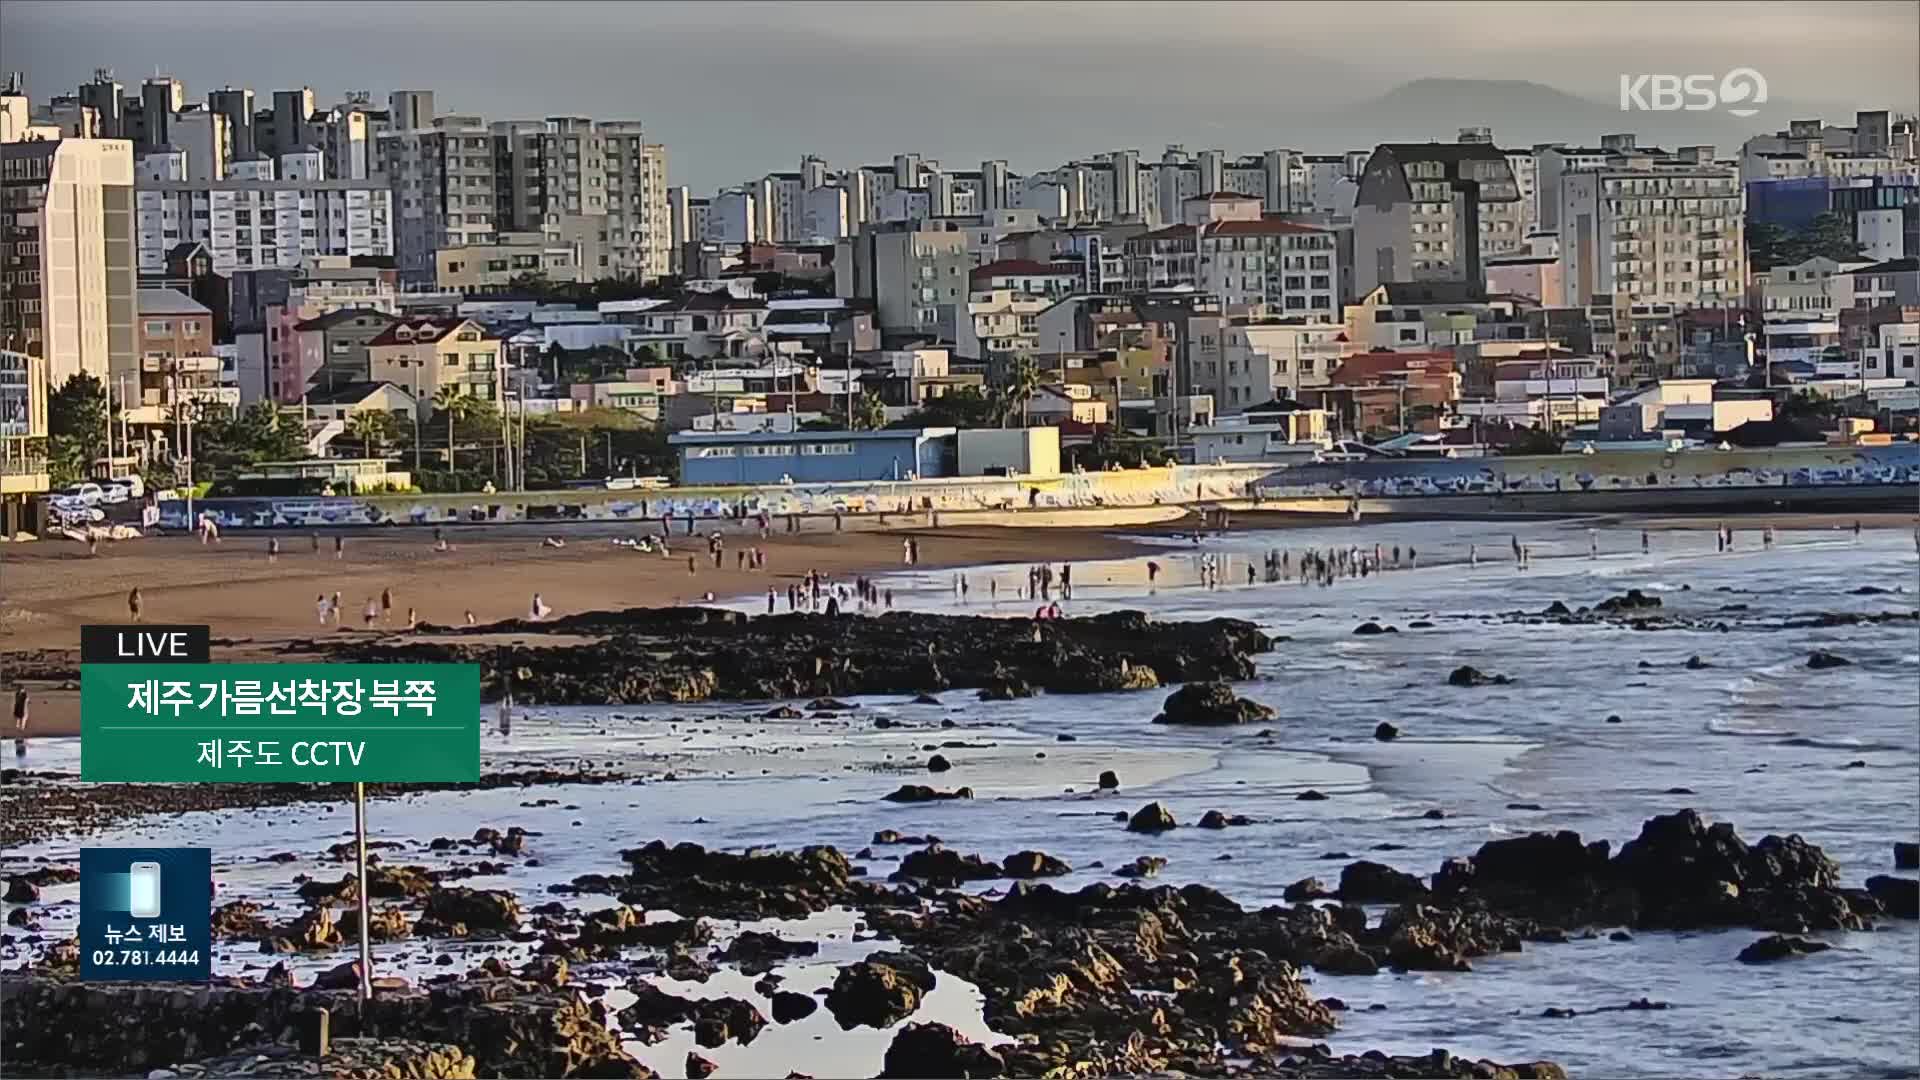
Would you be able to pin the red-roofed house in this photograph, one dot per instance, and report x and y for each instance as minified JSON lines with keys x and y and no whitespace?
{"x":421,"y":355}
{"x":1380,"y":385}
{"x":1028,"y":276}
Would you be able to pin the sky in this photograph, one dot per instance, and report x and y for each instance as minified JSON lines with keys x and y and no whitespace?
{"x":736,"y":90}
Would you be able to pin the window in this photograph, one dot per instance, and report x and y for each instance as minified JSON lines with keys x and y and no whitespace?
{"x":826,"y":449}
{"x":159,"y":326}
{"x":709,"y":451}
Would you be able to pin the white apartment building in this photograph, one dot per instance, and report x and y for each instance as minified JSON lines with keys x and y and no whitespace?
{"x":249,"y":224}
{"x":998,"y":326}
{"x":1261,"y":361}
{"x":733,"y":218}
{"x":825,"y":214}
{"x":1290,"y":270}
{"x":1892,"y":352}
{"x":1652,"y":231}
{"x":1434,"y":212}
{"x":207,"y":141}
{"x":443,"y":184}
{"x":1817,"y":288}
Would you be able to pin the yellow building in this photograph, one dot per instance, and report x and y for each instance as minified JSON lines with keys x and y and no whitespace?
{"x":421,"y":355}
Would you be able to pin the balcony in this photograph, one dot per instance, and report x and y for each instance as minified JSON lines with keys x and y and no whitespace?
{"x":163,"y":365}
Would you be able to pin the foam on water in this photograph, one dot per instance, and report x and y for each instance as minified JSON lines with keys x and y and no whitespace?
{"x":1757,"y":739}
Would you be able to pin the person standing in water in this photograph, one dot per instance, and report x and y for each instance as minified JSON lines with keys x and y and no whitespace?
{"x":386,"y":605}
{"x":1646,"y":542}
{"x":339,"y":547}
{"x":273,"y":550}
{"x":133,"y":603}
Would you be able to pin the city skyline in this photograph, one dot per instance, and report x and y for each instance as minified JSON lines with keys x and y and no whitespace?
{"x":737,"y":90}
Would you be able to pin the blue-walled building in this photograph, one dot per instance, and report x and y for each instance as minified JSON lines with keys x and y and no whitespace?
{"x":812,"y":457}
{"x":1788,"y":203}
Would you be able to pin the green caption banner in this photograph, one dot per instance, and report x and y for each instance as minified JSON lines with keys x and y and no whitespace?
{"x":266,"y":723}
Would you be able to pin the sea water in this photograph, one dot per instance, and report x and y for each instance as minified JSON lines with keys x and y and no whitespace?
{"x":1756,"y":738}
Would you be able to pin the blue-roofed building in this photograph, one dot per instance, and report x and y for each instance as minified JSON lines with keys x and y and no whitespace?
{"x":812,"y":457}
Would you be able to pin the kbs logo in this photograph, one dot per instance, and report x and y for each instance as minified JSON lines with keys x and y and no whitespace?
{"x":1737,"y":92}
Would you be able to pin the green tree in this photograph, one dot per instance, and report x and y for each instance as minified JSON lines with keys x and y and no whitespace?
{"x":1534,"y":441}
{"x":869,"y":413}
{"x":454,"y":406}
{"x":963,"y":407}
{"x":1830,"y":235}
{"x":1023,"y":381}
{"x":76,"y":428}
{"x":373,"y":429}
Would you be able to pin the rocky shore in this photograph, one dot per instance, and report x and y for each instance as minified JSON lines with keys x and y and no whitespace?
{"x":1101,"y":981}
{"x":643,"y":655}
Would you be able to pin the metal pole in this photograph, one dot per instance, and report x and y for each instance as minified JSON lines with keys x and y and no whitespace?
{"x":189,"y":450}
{"x":360,"y":875}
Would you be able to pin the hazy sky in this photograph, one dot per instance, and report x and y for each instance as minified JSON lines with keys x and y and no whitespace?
{"x":739,"y":89}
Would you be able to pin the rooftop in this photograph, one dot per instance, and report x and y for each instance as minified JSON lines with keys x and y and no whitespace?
{"x":352,"y":393}
{"x":413,"y":331}
{"x":170,"y":302}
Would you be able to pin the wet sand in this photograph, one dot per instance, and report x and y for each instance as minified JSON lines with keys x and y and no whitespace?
{"x":48,"y":590}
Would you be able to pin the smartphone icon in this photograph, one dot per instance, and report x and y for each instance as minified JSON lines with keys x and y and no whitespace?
{"x":144,"y":892}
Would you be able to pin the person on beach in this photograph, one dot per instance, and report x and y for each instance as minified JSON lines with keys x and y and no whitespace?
{"x":889,"y":595}
{"x":19,"y":710}
{"x":906,"y":553}
{"x":1153,"y":571}
{"x":314,"y":539}
{"x":386,"y":606}
{"x":413,"y":620}
{"x":370,"y":612}
{"x":339,"y":547}
{"x":553,"y":542}
{"x":538,"y":609}
{"x":321,"y":608}
{"x":133,"y":603}
{"x":1473,"y":555}
{"x":838,"y":524}
{"x":1518,"y":560}
{"x":1856,"y":529}
{"x":993,"y":585}
{"x":771,"y":599}
{"x":1251,"y":577}
{"x":471,"y":621}
{"x":1593,"y":543}
{"x":1066,"y":581}
{"x":1646,"y":542}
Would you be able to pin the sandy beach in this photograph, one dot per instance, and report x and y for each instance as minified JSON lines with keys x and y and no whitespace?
{"x":48,"y":590}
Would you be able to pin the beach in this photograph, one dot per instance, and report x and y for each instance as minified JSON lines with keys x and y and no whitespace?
{"x":52,"y":588}
{"x":1620,"y":692}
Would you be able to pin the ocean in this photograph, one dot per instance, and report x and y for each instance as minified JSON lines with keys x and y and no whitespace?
{"x":1754,"y":737}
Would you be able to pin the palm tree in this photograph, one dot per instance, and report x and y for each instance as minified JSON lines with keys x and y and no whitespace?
{"x":372,"y":428}
{"x":456,"y":406}
{"x":1023,"y":379}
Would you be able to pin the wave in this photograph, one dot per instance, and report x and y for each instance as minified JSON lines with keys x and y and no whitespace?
{"x":1841,"y":743}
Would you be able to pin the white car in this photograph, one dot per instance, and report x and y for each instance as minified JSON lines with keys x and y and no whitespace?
{"x":136,"y":487}
{"x":115,"y":492}
{"x":88,"y":494}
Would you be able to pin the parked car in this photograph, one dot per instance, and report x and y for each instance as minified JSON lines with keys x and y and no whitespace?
{"x":85,"y":494}
{"x":114,"y":492}
{"x":136,"y":487}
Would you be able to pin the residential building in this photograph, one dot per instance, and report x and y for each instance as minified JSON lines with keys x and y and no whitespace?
{"x":1071,"y":404}
{"x":1652,"y":230}
{"x":1272,"y":431}
{"x":1552,"y":161}
{"x":998,"y":328}
{"x":1642,"y":338}
{"x":1421,"y":316}
{"x":1885,"y":216}
{"x":204,"y":137}
{"x":1673,"y":407}
{"x":347,"y":400}
{"x":424,"y":355}
{"x":1816,"y":288}
{"x":1896,"y":281}
{"x":1891,"y":352}
{"x":1050,"y":280}
{"x":23,"y":431}
{"x":825,"y":214}
{"x":1810,"y":346}
{"x":698,"y":326}
{"x":1386,"y":391}
{"x":68,"y":268}
{"x":246,"y":224}
{"x":444,"y":189}
{"x":1261,"y":360}
{"x":909,"y":274}
{"x":176,"y":359}
{"x":1553,"y":392}
{"x":107,"y":98}
{"x":496,"y":267}
{"x":236,"y":104}
{"x":1535,"y":277}
{"x":1434,"y":212}
{"x":334,"y":346}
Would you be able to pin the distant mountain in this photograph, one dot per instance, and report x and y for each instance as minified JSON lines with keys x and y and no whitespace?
{"x":1523,"y":113}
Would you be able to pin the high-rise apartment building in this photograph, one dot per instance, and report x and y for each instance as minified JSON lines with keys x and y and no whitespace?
{"x":67,"y":264}
{"x":444,"y":190}
{"x":249,"y":224}
{"x":1653,"y":230}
